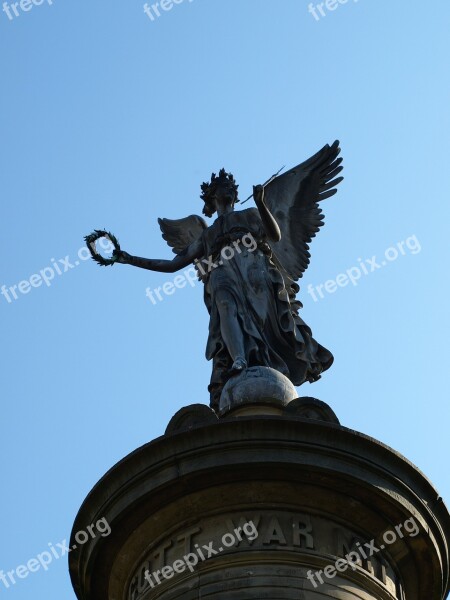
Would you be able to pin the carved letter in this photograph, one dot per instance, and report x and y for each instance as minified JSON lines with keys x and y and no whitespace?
{"x":302,"y":532}
{"x":274,"y":533}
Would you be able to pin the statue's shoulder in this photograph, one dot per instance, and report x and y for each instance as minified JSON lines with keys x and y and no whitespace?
{"x":250,"y":213}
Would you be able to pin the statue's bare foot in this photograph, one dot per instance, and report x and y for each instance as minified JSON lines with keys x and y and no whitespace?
{"x":239,"y":365}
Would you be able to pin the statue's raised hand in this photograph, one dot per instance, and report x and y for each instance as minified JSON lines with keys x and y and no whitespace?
{"x":258,"y":194}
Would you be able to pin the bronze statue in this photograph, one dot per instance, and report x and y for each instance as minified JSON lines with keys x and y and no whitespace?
{"x":250,"y":262}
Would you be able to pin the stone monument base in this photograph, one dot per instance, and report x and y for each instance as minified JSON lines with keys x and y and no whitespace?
{"x":281,"y":507}
{"x":256,"y":386}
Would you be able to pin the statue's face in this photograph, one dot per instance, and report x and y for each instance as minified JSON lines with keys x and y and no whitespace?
{"x":225,"y":196}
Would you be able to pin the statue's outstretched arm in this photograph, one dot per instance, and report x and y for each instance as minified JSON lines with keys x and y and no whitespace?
{"x":195,"y":250}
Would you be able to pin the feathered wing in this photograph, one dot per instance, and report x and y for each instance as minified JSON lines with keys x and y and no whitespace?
{"x":180,"y":233}
{"x":293,"y":199}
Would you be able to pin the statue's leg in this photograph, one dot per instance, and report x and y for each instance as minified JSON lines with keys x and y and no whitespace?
{"x":231,"y":330}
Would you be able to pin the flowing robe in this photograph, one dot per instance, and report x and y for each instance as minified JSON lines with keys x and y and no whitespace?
{"x":274,"y":334}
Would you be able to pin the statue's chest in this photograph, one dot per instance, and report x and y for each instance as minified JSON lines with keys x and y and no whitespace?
{"x":229,"y":228}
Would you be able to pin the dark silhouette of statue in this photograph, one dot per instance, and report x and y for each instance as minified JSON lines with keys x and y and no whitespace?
{"x":250,"y":262}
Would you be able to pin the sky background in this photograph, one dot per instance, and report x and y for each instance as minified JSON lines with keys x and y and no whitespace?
{"x":111,"y":120}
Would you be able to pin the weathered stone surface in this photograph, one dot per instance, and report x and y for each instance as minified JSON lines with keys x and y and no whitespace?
{"x":311,"y":408}
{"x":314,"y":491}
{"x":190,"y":417}
{"x":256,"y":386}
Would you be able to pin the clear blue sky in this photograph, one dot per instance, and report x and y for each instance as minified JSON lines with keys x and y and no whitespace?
{"x":110,"y":119}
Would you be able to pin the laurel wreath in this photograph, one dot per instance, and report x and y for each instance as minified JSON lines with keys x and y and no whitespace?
{"x":90,"y":243}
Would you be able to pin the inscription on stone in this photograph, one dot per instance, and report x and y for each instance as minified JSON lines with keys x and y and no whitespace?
{"x":286,"y":531}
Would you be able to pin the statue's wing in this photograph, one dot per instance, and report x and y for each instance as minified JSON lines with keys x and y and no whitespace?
{"x":180,"y":233}
{"x":293,"y":199}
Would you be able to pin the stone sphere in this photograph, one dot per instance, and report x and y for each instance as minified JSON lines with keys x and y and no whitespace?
{"x":256,"y":386}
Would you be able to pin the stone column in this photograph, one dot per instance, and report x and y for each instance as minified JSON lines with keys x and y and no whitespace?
{"x":267,"y":502}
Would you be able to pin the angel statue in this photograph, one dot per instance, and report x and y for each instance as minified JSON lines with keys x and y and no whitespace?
{"x":250,"y":290}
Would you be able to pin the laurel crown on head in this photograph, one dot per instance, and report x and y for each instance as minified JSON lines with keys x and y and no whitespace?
{"x":209,"y":189}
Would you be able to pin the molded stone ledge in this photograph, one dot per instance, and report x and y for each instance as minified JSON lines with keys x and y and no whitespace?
{"x":281,"y":464}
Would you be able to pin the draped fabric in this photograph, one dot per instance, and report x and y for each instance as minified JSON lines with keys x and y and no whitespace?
{"x":274,"y":334}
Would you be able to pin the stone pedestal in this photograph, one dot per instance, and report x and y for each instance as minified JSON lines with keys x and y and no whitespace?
{"x":261,"y":503}
{"x":261,"y":387}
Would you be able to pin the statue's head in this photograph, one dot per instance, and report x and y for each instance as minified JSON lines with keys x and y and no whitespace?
{"x":220,"y":191}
